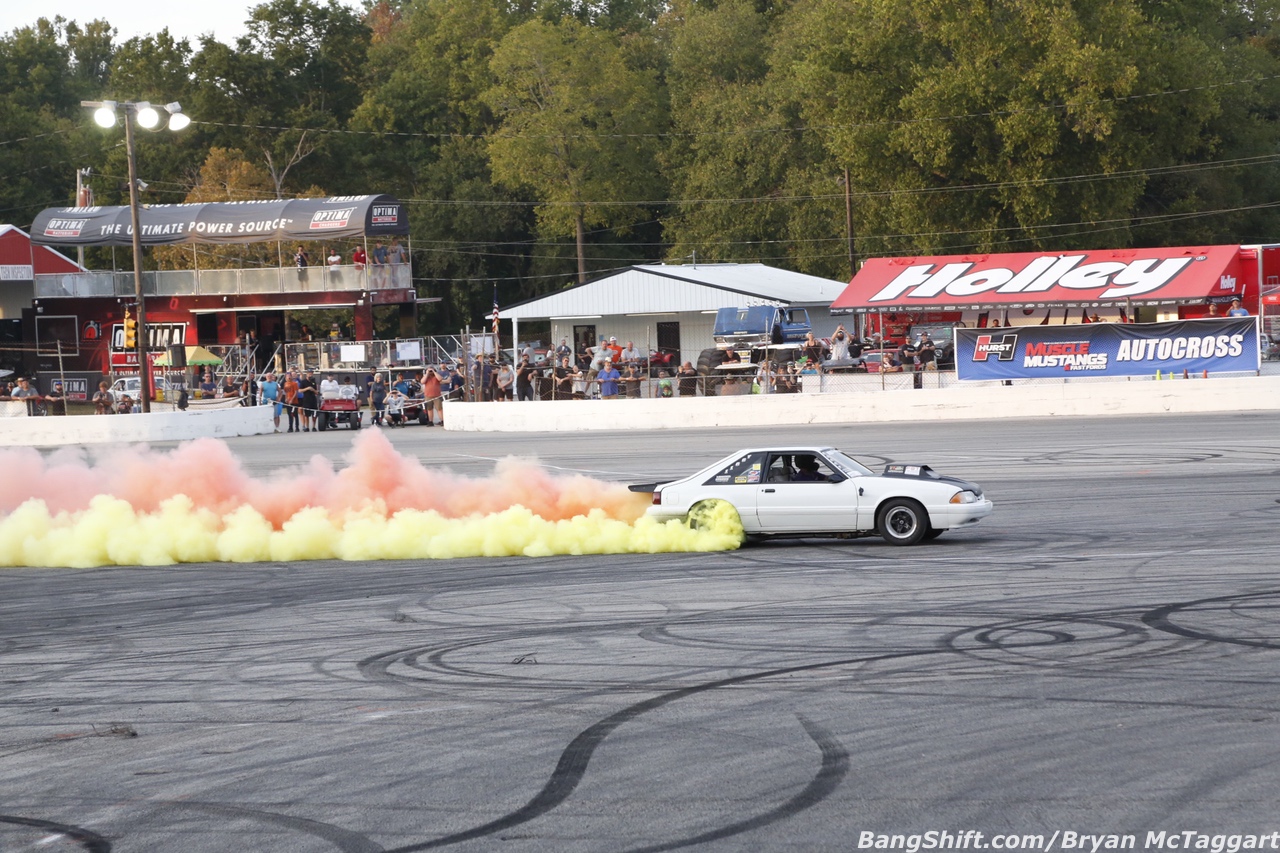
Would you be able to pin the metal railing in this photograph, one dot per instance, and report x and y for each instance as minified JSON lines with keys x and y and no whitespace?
{"x":364,"y":356}
{"x":225,"y":282}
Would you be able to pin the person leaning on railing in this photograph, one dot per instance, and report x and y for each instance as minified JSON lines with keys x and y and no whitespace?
{"x":688,"y":379}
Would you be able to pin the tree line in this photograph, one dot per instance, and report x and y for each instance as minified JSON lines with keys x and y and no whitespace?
{"x":538,"y":142}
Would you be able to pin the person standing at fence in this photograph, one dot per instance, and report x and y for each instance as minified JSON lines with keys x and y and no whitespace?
{"x":563,"y":377}
{"x":396,"y":258}
{"x":608,"y":378}
{"x":307,"y":394}
{"x":378,"y":399}
{"x":270,"y":393}
{"x":524,"y":379}
{"x":301,"y":261}
{"x":928,"y":354}
{"x":359,"y":257}
{"x":631,"y":380}
{"x":379,"y":264}
{"x":290,"y":391}
{"x":503,"y":382}
{"x":1237,"y":310}
{"x":907,"y":355}
{"x":432,"y":391}
{"x":103,"y":402}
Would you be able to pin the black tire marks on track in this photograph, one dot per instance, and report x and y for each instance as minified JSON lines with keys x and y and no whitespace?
{"x":90,"y":841}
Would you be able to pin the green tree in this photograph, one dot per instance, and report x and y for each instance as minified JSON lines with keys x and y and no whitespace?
{"x":578,"y":127}
{"x":743,"y":175}
{"x":293,"y":78}
{"x":423,"y":126}
{"x":45,"y":71}
{"x":970,"y":125}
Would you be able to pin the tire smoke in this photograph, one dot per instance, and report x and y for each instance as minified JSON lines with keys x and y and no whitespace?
{"x":196,"y":503}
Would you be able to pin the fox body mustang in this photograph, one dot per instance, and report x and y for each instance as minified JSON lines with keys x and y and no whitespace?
{"x":811,"y":491}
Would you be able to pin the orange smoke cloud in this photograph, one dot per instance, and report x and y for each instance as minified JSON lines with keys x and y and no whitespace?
{"x":196,"y":503}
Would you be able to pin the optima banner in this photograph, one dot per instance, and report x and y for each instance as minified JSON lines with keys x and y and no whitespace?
{"x":270,"y":220}
{"x":1218,"y":345}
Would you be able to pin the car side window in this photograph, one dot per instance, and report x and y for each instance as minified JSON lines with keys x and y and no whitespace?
{"x":801,"y":468}
{"x":745,"y":470}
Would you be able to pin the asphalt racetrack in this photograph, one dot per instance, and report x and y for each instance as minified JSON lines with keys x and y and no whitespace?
{"x":1099,"y":656}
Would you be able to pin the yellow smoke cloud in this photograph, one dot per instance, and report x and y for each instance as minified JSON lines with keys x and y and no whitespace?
{"x":110,"y":530}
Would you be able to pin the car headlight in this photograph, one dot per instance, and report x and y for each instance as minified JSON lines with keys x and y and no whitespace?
{"x":965,"y":497}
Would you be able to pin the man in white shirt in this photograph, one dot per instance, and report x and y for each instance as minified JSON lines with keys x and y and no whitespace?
{"x":329,"y":388}
{"x":631,"y":355}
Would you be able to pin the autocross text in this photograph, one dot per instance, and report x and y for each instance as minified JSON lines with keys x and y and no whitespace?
{"x":971,"y":839}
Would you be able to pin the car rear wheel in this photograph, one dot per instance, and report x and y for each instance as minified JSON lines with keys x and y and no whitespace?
{"x":903,"y":522}
{"x":713,"y":515}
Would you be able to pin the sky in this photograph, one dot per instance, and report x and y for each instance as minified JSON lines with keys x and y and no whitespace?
{"x":184,"y":18}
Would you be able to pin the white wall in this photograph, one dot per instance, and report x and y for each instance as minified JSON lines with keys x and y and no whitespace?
{"x":1180,"y":396}
{"x":695,"y":330}
{"x":128,"y":429}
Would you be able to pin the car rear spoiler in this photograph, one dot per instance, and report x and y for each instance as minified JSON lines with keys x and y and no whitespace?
{"x":648,"y":488}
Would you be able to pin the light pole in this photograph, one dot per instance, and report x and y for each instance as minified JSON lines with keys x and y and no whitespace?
{"x":144,"y":115}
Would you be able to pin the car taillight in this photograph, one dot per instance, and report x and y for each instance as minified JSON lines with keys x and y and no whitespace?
{"x":657,"y":497}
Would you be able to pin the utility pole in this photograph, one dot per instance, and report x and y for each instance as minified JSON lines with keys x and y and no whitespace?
{"x":84,"y":198}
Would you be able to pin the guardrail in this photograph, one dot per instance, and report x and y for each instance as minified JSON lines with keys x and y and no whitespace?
{"x":233,"y":282}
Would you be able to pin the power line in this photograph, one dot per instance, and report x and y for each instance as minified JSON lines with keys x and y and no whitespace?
{"x":816,"y":128}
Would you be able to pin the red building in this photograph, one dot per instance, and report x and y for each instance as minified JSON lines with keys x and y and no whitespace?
{"x":82,"y":312}
{"x":20,"y":263}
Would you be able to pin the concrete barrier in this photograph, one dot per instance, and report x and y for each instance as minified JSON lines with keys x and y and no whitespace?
{"x":958,"y":402}
{"x":130,"y":429}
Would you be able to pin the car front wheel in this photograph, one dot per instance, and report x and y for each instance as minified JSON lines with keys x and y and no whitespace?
{"x":903,"y":522}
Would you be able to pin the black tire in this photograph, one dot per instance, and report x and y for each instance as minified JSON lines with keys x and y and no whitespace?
{"x":903,"y":521}
{"x":322,"y":421}
{"x":422,"y":417}
{"x":697,"y":517}
{"x":356,"y":417}
{"x":708,"y":361}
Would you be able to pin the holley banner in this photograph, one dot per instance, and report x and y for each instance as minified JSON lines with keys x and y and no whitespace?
{"x":1218,"y":345}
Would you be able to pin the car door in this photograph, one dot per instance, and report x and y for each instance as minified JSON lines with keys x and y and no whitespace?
{"x":789,"y":501}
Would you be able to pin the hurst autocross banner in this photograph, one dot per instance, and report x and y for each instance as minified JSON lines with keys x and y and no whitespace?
{"x":1218,"y":345}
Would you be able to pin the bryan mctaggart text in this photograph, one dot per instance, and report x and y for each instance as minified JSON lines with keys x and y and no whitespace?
{"x":970,"y":839}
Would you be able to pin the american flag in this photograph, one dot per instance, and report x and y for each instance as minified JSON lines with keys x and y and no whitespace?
{"x":496,"y":315}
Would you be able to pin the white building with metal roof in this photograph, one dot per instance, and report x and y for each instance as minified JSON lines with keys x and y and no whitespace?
{"x":672,"y":307}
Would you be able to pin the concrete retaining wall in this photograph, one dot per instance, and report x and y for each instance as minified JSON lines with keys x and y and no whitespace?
{"x":1182,"y":396}
{"x":129,"y":429}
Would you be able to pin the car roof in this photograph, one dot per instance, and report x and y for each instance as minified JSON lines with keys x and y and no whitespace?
{"x":787,"y":448}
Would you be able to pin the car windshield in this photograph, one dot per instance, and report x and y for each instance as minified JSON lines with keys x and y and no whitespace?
{"x":847,"y":464}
